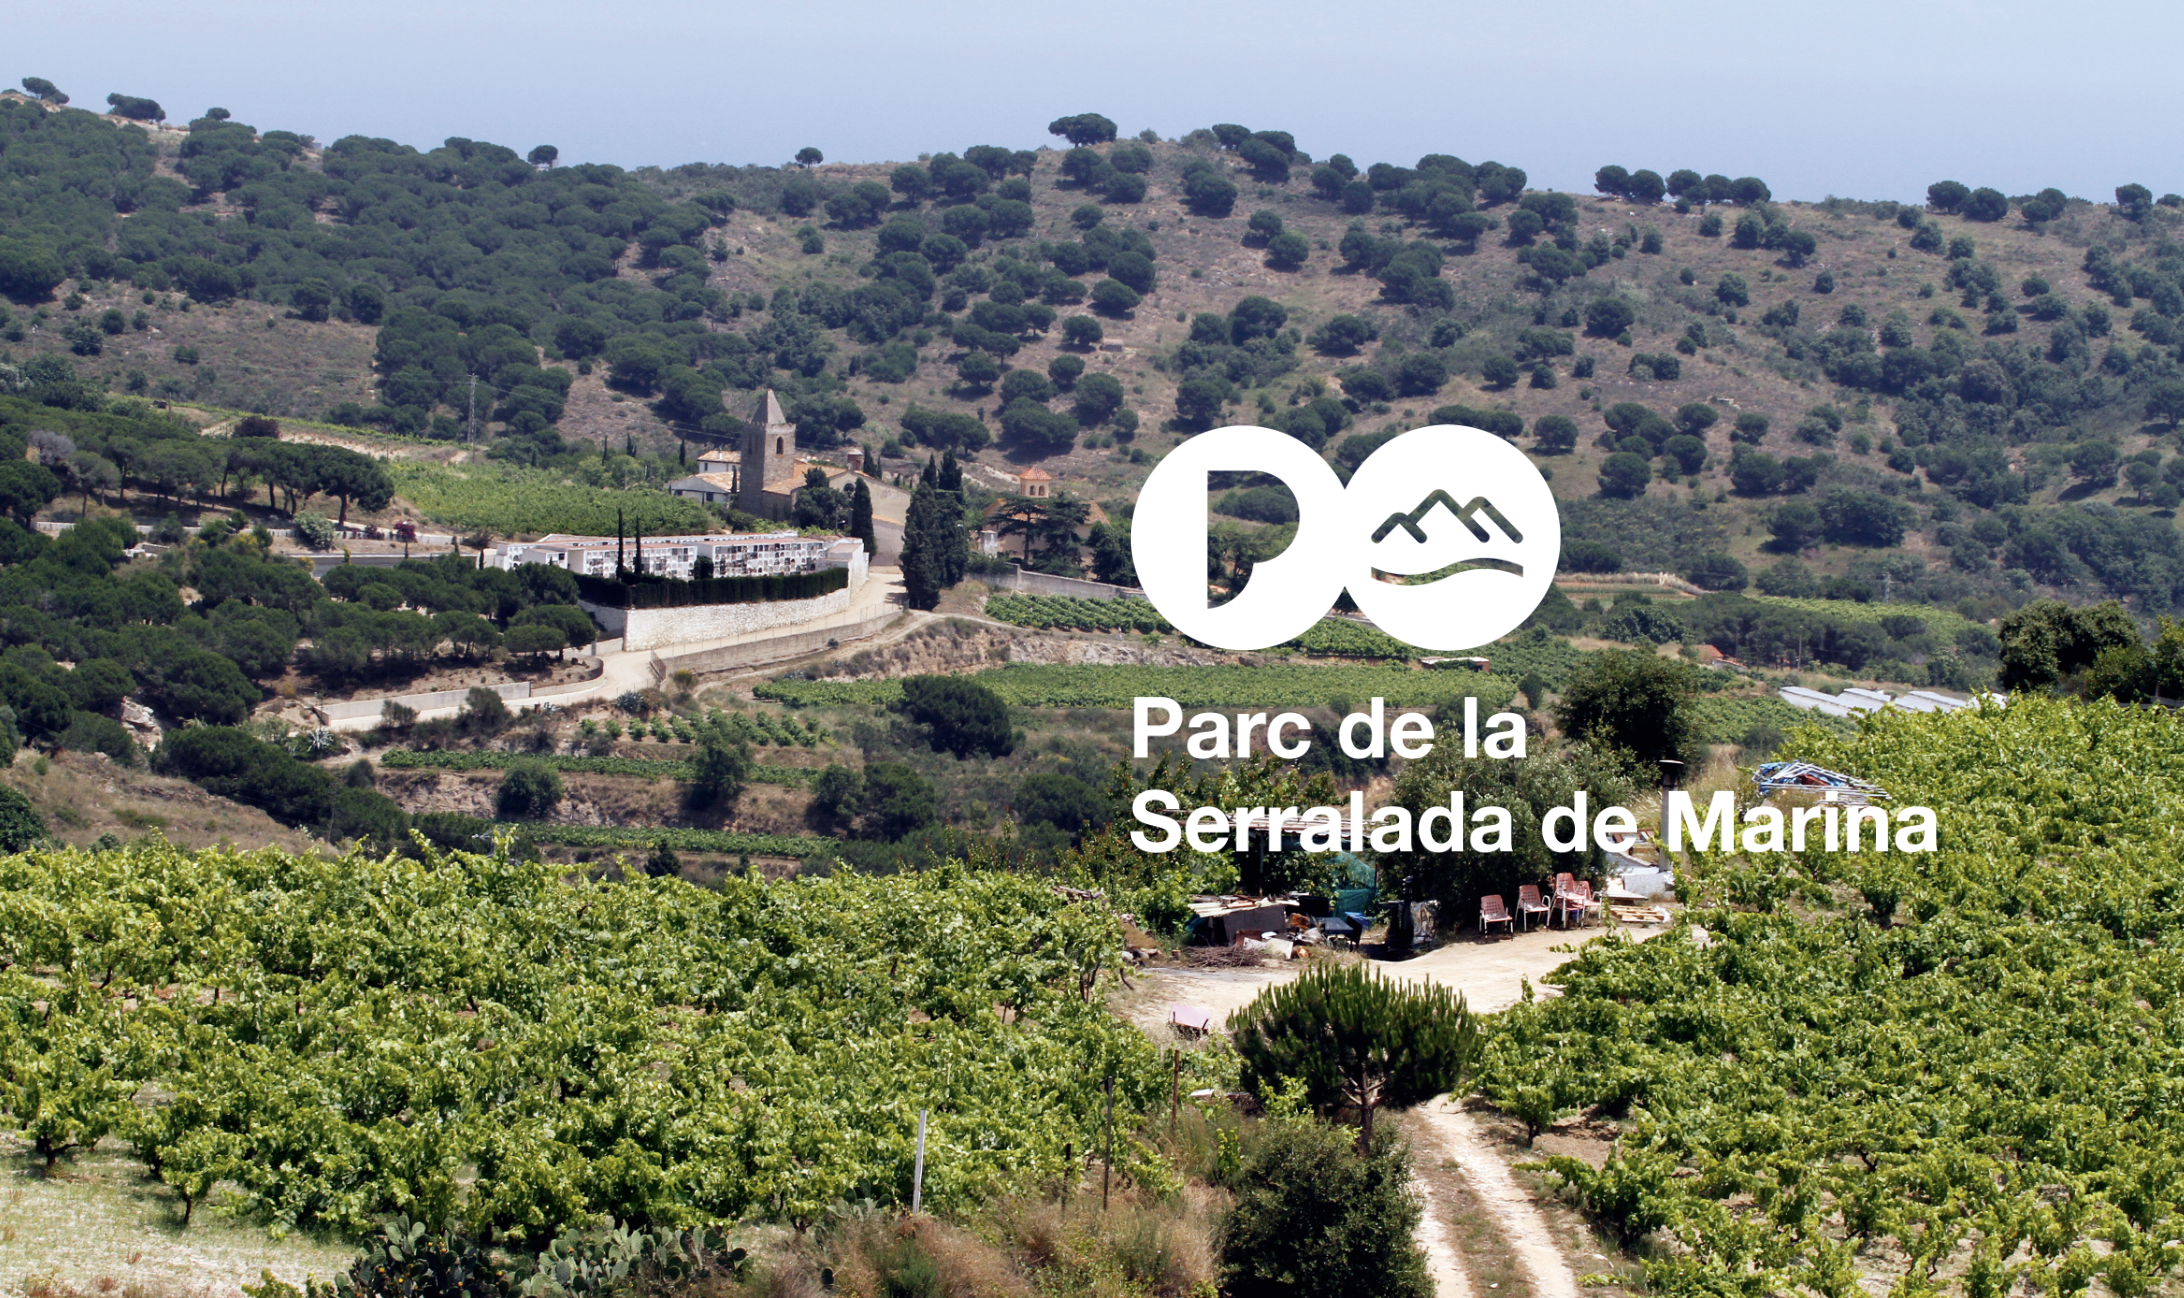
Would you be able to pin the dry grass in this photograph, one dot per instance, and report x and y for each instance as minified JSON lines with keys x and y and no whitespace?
{"x":101,"y":1229}
{"x":1019,"y":1246}
{"x":84,"y":795}
{"x":293,"y":368}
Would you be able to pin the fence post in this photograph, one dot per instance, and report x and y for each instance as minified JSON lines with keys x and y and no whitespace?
{"x":1107,"y":1161}
{"x":917,"y":1175}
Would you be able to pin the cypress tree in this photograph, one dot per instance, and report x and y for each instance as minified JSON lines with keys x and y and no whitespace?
{"x":860,"y":518}
{"x":951,"y":473}
{"x":954,"y":540}
{"x":924,"y":548}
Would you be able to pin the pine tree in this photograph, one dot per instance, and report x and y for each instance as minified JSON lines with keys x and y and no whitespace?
{"x":1357,"y":1040}
{"x":860,"y":518}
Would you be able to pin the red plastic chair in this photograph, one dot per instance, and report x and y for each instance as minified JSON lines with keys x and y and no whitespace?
{"x":1529,"y":904}
{"x":1493,"y":911}
{"x":1581,"y":901}
{"x":1564,"y":885}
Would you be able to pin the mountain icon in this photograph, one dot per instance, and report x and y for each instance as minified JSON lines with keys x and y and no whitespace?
{"x":1420,"y":555}
{"x":1467,"y":515}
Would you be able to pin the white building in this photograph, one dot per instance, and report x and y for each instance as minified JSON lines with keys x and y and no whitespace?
{"x":718,"y":479}
{"x":740,"y":554}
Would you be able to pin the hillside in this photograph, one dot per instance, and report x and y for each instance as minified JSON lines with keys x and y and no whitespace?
{"x":1963,"y":409}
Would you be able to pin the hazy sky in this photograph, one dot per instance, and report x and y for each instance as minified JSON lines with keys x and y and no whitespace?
{"x":1863,"y":98}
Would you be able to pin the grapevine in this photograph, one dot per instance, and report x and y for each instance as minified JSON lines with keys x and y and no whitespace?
{"x":507,"y":499}
{"x":1947,"y":1061}
{"x":476,"y":1039}
{"x":404,"y":759}
{"x":1099,"y":686}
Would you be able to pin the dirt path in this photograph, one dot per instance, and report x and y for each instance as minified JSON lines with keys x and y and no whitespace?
{"x":1490,"y":974}
{"x":1524,"y":1232}
{"x":1436,"y":1236}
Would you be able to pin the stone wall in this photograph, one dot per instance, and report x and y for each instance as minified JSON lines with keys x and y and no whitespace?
{"x":657,"y":628}
{"x":774,"y":648}
{"x":363,"y":714}
{"x":1042,"y":583}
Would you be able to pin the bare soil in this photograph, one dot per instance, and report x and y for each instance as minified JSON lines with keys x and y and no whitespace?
{"x":85,"y":795}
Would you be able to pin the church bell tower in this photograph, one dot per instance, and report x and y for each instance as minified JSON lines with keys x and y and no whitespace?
{"x":769,"y":455}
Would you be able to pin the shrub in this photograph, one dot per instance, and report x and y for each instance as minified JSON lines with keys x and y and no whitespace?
{"x":960,"y":715}
{"x":531,"y":790}
{"x":1623,"y":476}
{"x":1635,"y":703}
{"x":1717,"y":571}
{"x":1315,"y":1219}
{"x":231,"y":763}
{"x":21,"y":827}
{"x":1554,"y":434}
{"x":1591,"y":556}
{"x":1063,"y":801}
{"x":1609,"y":317}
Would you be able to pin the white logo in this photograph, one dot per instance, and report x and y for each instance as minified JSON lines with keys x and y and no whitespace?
{"x":1446,"y":537}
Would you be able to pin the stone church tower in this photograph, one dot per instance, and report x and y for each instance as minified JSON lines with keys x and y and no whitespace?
{"x":769,"y":457}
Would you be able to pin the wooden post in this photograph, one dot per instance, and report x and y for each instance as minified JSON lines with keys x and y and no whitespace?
{"x":1107,"y":1161}
{"x":917,"y":1174}
{"x":1175,"y":1093}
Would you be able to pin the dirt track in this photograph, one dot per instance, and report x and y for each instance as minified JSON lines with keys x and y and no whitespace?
{"x":1490,"y":974}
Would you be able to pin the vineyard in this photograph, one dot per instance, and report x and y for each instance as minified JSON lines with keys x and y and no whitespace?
{"x":405,"y":759}
{"x":1274,"y":686}
{"x":1331,"y":637}
{"x":1949,"y":1073}
{"x":1945,"y":623}
{"x":724,"y":841}
{"x":319,"y":1043}
{"x":1731,"y":718}
{"x":765,"y":729}
{"x":1066,"y":613}
{"x":508,"y":499}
